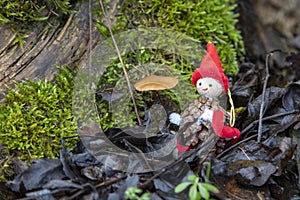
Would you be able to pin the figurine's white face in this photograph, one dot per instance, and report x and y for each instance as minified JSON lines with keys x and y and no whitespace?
{"x":209,"y":87}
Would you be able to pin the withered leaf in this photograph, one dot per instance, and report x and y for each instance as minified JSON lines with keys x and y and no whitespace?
{"x":291,"y":97}
{"x":39,"y":173}
{"x":168,"y":180}
{"x":253,"y":172}
{"x":54,"y":184}
{"x":272,"y":94}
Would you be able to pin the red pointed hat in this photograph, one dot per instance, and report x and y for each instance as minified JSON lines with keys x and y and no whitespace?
{"x":211,"y":67}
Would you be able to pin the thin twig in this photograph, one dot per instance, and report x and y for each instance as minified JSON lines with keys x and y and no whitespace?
{"x":259,"y":132}
{"x":110,"y":181}
{"x":90,"y":44}
{"x":244,"y":153}
{"x":122,"y":63}
{"x":146,"y":183}
{"x":267,"y":118}
{"x":253,"y":136}
{"x":78,"y":192}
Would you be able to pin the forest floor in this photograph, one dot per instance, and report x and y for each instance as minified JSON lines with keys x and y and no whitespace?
{"x":248,"y":169}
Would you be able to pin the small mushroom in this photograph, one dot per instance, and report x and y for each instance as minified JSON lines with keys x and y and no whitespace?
{"x":155,"y":82}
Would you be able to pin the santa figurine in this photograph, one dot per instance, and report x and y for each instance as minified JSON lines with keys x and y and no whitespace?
{"x":205,"y":116}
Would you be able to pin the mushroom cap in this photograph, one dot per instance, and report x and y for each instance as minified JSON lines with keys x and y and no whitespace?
{"x":155,"y":82}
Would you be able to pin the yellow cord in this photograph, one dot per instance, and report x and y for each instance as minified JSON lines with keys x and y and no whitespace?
{"x":232,"y":111}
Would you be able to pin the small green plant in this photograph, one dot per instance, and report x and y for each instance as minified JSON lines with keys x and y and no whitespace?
{"x":197,"y":189}
{"x":35,"y":117}
{"x":133,"y":193}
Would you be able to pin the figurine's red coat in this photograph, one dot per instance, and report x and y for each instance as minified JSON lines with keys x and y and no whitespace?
{"x":221,"y":130}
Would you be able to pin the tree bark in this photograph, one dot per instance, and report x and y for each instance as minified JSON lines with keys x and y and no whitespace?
{"x":50,"y":44}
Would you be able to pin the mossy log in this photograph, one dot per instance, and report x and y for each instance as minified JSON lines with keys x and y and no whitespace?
{"x":50,"y":44}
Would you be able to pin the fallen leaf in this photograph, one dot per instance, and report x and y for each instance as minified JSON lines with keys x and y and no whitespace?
{"x":291,"y":97}
{"x":168,"y":180}
{"x":272,"y":95}
{"x":253,"y":172}
{"x":39,"y":173}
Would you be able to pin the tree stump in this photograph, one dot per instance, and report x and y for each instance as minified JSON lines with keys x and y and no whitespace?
{"x":50,"y":44}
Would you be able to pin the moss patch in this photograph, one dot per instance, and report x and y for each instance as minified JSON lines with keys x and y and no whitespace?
{"x":35,"y":117}
{"x":212,"y":20}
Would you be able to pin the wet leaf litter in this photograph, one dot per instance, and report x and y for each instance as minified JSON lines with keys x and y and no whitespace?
{"x":248,"y":169}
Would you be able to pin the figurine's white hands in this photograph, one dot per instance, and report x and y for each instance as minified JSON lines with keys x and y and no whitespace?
{"x":207,"y":116}
{"x":175,"y":119}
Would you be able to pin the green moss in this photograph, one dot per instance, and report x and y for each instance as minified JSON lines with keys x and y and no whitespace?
{"x":212,"y":20}
{"x":35,"y":117}
{"x":21,"y":15}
